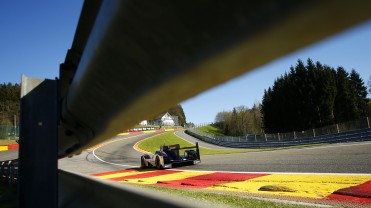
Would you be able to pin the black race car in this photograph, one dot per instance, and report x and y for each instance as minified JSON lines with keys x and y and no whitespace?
{"x":168,"y":156}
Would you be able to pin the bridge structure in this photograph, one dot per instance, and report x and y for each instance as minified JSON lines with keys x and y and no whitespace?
{"x":128,"y":56}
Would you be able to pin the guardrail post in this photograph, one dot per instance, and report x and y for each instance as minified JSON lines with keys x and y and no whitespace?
{"x":11,"y":174}
{"x":38,"y":180}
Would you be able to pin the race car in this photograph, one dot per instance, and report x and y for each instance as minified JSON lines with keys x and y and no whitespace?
{"x":168,"y":156}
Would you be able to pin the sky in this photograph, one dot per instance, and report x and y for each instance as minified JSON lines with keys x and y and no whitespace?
{"x":35,"y":37}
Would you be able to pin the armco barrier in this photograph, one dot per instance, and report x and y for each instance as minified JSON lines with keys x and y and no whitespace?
{"x":352,"y":136}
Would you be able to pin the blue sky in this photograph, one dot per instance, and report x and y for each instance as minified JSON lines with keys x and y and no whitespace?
{"x":350,"y":49}
{"x":35,"y":36}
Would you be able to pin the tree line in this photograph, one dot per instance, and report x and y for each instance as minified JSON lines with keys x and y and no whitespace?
{"x":313,"y":95}
{"x":9,"y":103}
{"x":177,"y":111}
{"x":240,"y":121}
{"x":310,"y":95}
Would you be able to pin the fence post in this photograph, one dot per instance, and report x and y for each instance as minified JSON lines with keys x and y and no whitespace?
{"x":294,"y":135}
{"x":368,"y":122}
{"x":265,"y":136}
{"x":337,"y":128}
{"x":314,"y":133}
{"x":279,"y":136}
{"x":255,"y":138}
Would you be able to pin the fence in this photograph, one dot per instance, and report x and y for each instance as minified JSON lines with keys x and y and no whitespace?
{"x":318,"y":135}
{"x":9,"y":172}
{"x":9,"y":132}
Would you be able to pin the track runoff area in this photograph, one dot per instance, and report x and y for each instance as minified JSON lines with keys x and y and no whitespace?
{"x":338,"y":189}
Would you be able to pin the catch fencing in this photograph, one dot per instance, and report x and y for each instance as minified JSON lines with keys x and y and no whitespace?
{"x":358,"y":130}
{"x":9,"y":172}
{"x":9,"y":132}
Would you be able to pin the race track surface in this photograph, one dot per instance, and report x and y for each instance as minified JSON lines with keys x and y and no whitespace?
{"x":336,"y":158}
{"x":337,"y":174}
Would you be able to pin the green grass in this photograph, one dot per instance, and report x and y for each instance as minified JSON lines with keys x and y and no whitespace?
{"x":7,"y":141}
{"x":152,"y":144}
{"x":222,"y":198}
{"x":211,"y":130}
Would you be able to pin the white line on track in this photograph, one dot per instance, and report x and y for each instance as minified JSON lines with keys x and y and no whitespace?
{"x":185,"y":139}
{"x":100,"y":159}
{"x":283,"y":173}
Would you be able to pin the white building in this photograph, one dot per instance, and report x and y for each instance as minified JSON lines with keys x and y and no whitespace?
{"x":165,"y":120}
{"x":144,"y":123}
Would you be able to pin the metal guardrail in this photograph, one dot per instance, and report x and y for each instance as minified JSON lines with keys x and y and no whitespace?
{"x":352,"y":136}
{"x":77,"y":190}
{"x":132,"y":59}
{"x":9,"y":172}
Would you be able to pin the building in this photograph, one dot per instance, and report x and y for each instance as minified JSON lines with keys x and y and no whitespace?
{"x":166,"y":120}
{"x":144,"y":123}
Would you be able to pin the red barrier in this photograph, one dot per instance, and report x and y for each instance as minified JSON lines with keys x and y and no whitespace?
{"x":13,"y":146}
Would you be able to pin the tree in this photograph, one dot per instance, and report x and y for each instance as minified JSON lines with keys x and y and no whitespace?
{"x":222,"y":121}
{"x":240,"y":121}
{"x":9,"y":103}
{"x":345,"y":101}
{"x":178,"y":111}
{"x":360,"y":91}
{"x":313,"y":95}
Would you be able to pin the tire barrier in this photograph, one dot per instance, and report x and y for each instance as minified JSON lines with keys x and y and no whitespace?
{"x":9,"y":172}
{"x":351,"y":136}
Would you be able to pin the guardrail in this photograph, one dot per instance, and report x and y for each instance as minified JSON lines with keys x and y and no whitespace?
{"x":9,"y":172}
{"x":116,"y":74}
{"x":352,"y":136}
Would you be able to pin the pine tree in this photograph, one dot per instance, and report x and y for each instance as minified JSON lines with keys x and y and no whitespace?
{"x":345,"y":103}
{"x":360,"y":92}
{"x":311,"y":96}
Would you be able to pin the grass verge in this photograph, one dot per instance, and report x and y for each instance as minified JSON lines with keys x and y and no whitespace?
{"x":211,"y":130}
{"x":152,"y":144}
{"x":7,"y":141}
{"x":222,"y":199}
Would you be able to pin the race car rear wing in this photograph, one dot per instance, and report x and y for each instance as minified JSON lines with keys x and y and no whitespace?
{"x":176,"y":147}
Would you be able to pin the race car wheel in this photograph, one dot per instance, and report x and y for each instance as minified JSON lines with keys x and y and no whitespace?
{"x":158,"y":164}
{"x":142,"y":164}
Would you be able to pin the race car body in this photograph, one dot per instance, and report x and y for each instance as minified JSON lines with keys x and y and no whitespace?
{"x":168,"y":156}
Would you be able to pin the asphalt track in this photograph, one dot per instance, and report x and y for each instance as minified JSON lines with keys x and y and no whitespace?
{"x":291,"y":172}
{"x":352,"y":158}
{"x":330,"y":174}
{"x":118,"y":153}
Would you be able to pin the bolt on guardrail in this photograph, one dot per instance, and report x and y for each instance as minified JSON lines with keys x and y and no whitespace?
{"x":9,"y":172}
